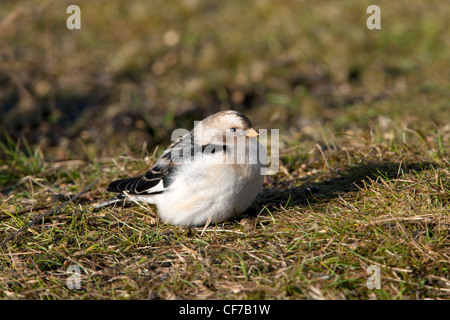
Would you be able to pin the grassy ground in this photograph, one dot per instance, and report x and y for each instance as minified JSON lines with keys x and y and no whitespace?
{"x":364,"y":175}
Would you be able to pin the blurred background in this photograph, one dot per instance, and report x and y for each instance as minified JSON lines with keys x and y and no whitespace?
{"x":138,"y":69}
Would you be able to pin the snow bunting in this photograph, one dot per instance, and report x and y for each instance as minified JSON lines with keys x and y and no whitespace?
{"x":207,"y":175}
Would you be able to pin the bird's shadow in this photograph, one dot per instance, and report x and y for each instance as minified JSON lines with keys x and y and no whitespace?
{"x":309,"y":194}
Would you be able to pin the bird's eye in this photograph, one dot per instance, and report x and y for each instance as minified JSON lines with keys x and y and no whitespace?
{"x":233,"y":129}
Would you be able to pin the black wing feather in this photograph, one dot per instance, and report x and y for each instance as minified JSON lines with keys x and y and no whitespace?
{"x":162,"y":170}
{"x":136,"y":185}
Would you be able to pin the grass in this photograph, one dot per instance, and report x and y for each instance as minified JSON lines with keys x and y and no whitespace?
{"x":364,"y":173}
{"x":290,"y":245}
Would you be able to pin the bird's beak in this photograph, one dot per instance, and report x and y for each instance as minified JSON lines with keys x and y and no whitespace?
{"x":252,"y":133}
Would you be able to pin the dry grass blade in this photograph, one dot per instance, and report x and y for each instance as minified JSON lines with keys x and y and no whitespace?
{"x":35,"y":221}
{"x":21,"y":212}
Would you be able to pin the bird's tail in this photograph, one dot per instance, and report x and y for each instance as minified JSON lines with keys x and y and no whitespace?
{"x":120,"y":199}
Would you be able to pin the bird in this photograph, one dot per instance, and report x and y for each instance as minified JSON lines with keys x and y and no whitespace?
{"x":206,"y":176}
